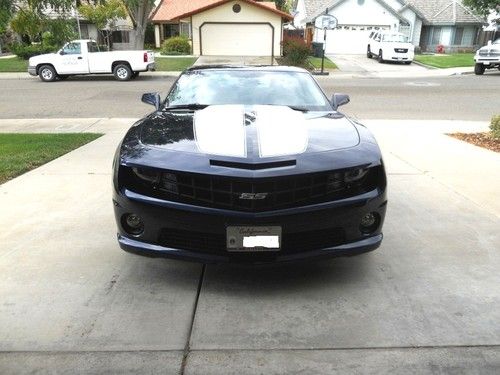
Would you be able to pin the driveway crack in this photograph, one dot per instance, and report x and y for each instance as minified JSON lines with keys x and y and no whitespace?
{"x":187,"y":347}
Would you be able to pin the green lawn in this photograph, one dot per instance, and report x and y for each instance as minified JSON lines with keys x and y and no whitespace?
{"x":454,"y":60}
{"x":173,"y":64}
{"x":14,"y":64}
{"x":20,"y":153}
{"x":316,"y":63}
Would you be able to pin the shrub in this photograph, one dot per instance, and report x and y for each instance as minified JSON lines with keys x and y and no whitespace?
{"x":296,"y":52}
{"x":495,"y":127}
{"x":26,"y":51}
{"x":178,"y":45}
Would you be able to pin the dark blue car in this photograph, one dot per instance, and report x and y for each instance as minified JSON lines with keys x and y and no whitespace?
{"x":248,"y":164}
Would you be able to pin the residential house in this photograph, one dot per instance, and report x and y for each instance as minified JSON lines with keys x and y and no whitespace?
{"x":222,"y":27}
{"x":427,"y":24}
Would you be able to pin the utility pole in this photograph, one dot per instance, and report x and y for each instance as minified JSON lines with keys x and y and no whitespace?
{"x":78,"y":19}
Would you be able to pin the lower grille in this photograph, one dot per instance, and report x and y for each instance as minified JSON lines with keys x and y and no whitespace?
{"x":215,"y":243}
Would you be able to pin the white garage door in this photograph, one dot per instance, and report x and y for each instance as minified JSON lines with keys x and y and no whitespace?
{"x":348,"y":40}
{"x":236,"y":39}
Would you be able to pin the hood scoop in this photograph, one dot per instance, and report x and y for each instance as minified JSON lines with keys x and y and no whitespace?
{"x":253,"y":166}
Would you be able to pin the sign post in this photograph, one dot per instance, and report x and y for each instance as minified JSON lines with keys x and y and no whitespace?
{"x":324,"y":22}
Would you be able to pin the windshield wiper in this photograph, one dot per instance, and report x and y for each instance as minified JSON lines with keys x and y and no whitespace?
{"x":191,"y":106}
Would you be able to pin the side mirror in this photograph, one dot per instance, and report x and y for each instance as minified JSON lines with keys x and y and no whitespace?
{"x":339,"y":99}
{"x":152,"y":98}
{"x":62,"y":53}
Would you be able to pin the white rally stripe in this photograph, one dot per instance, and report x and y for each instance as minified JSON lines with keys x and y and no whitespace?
{"x":220,"y":130}
{"x":281,"y":131}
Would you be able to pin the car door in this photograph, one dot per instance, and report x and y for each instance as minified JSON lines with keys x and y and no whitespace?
{"x":71,"y":60}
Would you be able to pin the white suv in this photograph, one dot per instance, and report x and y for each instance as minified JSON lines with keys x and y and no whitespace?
{"x":390,"y":46}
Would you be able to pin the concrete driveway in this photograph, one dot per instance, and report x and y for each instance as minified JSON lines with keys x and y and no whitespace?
{"x":427,"y":301}
{"x":362,"y":65}
{"x":235,"y":60}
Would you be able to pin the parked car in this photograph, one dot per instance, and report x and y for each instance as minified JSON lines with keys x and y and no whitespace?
{"x":390,"y":46}
{"x":250,"y":164}
{"x":83,"y":57}
{"x":487,"y":57}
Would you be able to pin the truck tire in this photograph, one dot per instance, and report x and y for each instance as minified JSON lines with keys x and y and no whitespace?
{"x":122,"y":72}
{"x":368,"y":53}
{"x":47,"y":73}
{"x":135,"y":75}
{"x":479,"y":69}
{"x":380,"y":57}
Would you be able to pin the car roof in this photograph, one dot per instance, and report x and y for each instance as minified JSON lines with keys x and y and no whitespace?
{"x":264,"y":68}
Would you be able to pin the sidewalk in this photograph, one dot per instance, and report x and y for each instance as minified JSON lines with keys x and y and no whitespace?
{"x":336,"y":74}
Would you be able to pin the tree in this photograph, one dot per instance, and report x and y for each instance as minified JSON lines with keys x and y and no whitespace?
{"x":104,"y":15}
{"x":6,"y":11}
{"x":283,"y":5}
{"x":484,"y":7}
{"x":139,"y":11}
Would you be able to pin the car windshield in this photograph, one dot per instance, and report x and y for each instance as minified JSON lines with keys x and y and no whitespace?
{"x":248,"y":87}
{"x":394,"y":38}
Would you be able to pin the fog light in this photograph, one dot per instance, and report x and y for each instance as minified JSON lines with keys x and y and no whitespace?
{"x":133,"y":224}
{"x":369,"y":222}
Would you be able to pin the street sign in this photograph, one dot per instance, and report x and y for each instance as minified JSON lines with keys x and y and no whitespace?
{"x":325,"y":22}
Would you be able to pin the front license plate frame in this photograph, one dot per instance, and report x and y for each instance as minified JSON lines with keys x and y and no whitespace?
{"x":239,"y":238}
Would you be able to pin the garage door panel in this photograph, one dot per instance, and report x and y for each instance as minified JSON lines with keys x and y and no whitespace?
{"x":236,"y":40}
{"x":352,"y":40}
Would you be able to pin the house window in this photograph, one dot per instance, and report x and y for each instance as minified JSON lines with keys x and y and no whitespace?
{"x":120,"y":36}
{"x":170,"y":30}
{"x":185,"y":28}
{"x":459,"y":33}
{"x":436,"y":35}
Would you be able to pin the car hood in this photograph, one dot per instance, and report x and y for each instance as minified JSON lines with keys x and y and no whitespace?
{"x":40,"y":58}
{"x":398,"y":45}
{"x":249,"y":132}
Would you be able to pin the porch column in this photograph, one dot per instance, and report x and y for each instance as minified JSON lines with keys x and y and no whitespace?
{"x":157,"y":36}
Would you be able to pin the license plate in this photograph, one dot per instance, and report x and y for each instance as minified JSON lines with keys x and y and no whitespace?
{"x":253,"y":239}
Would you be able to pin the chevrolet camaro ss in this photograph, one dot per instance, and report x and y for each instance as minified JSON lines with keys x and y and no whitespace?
{"x":248,"y":164}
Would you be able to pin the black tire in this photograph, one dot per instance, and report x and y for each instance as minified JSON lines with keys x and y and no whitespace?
{"x":47,"y":73}
{"x":407,"y":62}
{"x":368,"y":53}
{"x":380,"y":57}
{"x":479,"y":69}
{"x":122,"y":72}
{"x":135,"y":75}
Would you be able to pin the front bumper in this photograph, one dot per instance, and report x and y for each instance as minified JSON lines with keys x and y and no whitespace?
{"x":32,"y":70}
{"x":301,"y":223}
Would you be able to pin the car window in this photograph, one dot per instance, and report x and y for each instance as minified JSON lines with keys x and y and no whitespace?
{"x":92,"y":47}
{"x":72,"y":49}
{"x":248,"y":87}
{"x":394,"y":38}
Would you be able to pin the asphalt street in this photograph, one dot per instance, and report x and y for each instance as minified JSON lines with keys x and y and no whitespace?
{"x":464,"y":97}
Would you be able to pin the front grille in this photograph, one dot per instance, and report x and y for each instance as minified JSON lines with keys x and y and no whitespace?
{"x":401,"y":50}
{"x":247,"y":194}
{"x":489,"y":53}
{"x":214,"y":243}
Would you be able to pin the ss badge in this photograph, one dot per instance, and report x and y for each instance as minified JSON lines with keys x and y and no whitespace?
{"x":253,"y":196}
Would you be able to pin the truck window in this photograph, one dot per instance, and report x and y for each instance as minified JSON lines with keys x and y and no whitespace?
{"x":92,"y":47}
{"x":72,"y":49}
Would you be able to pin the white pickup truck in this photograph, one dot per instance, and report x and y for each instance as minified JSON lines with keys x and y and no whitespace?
{"x":84,"y":57}
{"x":487,"y":57}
